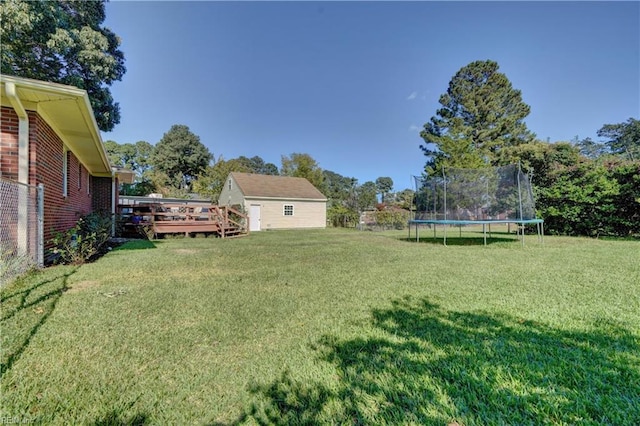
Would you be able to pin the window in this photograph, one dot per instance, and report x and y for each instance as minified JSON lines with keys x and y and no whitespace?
{"x":288,"y":210}
{"x":229,"y":184}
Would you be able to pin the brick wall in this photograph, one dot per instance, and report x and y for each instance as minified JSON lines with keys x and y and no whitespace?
{"x":101,"y":198}
{"x":46,"y":158}
{"x":8,"y":144}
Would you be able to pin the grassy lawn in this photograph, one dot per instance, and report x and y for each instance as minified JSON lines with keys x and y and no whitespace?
{"x":329,"y":327}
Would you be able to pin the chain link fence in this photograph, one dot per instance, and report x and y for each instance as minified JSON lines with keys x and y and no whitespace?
{"x":21,"y":229}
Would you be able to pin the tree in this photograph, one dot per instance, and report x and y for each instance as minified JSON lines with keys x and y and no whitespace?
{"x":303,"y":165}
{"x":135,"y":157}
{"x":481,"y":114}
{"x":541,"y":158}
{"x":257,"y":165}
{"x":404,"y":198}
{"x":64,"y":42}
{"x":338,"y":188}
{"x":591,"y":149}
{"x":212,"y":180}
{"x":384,"y":185}
{"x":623,"y":138}
{"x":592,"y":198}
{"x":179,"y":157}
{"x":367,"y":196}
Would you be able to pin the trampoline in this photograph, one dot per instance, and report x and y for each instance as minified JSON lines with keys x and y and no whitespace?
{"x":463,"y":197}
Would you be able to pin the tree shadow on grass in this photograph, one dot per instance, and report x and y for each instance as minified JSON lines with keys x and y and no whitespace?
{"x":455,"y":240}
{"x":24,"y":310}
{"x":141,"y":244}
{"x":427,"y":365}
{"x":114,"y":419}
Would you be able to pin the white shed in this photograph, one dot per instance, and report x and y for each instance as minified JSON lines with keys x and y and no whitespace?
{"x":275,"y":202}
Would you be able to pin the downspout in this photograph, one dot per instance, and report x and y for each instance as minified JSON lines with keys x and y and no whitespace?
{"x":113,"y":203}
{"x":23,"y":166}
{"x":23,"y":133}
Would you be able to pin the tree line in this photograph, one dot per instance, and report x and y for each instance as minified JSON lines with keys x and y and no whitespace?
{"x":180,"y":165}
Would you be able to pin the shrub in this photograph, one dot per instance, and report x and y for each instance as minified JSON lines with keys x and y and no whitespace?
{"x":84,"y":240}
{"x":341,"y":216}
{"x":592,"y":199}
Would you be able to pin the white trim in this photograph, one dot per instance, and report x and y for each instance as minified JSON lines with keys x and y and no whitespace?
{"x":284,"y":209}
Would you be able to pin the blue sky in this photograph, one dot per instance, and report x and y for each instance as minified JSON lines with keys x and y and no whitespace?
{"x":352,"y":83}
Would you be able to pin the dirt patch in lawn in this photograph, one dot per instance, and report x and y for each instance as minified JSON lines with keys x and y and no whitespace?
{"x":82,"y":285}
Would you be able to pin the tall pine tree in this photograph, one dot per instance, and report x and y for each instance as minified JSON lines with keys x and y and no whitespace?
{"x":481,"y":114}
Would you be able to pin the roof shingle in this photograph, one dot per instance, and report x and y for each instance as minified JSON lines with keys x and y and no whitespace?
{"x":255,"y":185}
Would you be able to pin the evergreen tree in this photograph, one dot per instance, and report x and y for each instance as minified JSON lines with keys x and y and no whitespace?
{"x":384,"y":185}
{"x":481,"y":114}
{"x":623,"y":138}
{"x":179,"y":157}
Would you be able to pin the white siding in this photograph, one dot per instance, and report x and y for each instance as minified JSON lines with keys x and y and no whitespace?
{"x":306,"y":214}
{"x":233,"y":196}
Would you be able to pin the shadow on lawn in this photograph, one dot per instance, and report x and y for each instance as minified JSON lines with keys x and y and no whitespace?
{"x":455,"y":240}
{"x":31,"y":307}
{"x":140,"y":244}
{"x":114,"y":419}
{"x":428,"y":365}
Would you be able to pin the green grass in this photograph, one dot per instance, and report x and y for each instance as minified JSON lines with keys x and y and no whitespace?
{"x":329,"y":327}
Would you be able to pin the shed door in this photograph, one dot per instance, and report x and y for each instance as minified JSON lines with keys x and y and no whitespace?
{"x":254,"y":217}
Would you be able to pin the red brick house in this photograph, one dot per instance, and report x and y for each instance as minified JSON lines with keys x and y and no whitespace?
{"x":49,"y":136}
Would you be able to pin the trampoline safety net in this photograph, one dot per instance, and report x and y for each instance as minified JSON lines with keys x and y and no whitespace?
{"x":497,"y":193}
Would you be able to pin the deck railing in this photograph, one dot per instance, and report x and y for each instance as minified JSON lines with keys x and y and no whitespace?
{"x":184,"y":218}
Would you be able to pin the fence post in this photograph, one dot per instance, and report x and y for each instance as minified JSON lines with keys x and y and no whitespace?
{"x":23,"y":219}
{"x":40,"y":231}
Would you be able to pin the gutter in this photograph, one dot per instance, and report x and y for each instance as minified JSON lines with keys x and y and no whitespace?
{"x":92,"y":124}
{"x":113,"y":202}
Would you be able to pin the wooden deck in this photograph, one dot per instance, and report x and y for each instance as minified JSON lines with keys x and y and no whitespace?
{"x":170,"y":218}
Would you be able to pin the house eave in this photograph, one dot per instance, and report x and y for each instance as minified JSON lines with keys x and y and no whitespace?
{"x":67,"y":110}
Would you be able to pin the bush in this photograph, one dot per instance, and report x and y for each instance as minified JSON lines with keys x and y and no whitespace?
{"x":84,"y":240}
{"x":592,"y":199}
{"x":387,"y":219}
{"x":341,"y":216}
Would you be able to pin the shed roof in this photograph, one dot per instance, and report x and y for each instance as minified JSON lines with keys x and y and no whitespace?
{"x":268,"y":186}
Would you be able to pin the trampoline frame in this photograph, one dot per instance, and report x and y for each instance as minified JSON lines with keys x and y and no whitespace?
{"x":519,"y":230}
{"x":520,"y":222}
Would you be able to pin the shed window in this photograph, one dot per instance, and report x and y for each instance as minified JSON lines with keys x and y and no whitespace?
{"x":288,"y":209}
